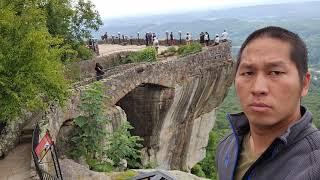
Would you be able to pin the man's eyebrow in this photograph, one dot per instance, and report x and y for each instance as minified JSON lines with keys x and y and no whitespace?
{"x":276,"y":64}
{"x":246,"y":66}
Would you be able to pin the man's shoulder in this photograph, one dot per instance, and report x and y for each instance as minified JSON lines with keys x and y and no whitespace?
{"x":314,"y":139}
{"x":226,"y":140}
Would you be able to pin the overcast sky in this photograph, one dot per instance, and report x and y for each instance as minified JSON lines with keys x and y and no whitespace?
{"x":121,"y":8}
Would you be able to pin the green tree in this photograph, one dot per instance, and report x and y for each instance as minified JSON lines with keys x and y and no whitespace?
{"x":92,"y":141}
{"x":84,"y":20}
{"x":31,"y":74}
{"x":124,"y":146}
{"x":73,"y":21}
{"x":90,"y":131}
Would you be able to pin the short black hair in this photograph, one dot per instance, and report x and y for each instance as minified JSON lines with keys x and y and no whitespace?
{"x":298,"y":50}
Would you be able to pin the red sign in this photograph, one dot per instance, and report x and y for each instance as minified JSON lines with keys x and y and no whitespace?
{"x":44,"y":145}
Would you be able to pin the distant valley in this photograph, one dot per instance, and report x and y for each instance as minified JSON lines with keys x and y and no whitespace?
{"x":302,"y":18}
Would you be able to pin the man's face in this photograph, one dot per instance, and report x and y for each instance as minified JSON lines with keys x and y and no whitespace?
{"x":267,"y":83}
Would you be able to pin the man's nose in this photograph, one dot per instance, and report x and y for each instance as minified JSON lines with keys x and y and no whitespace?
{"x":260,"y":85}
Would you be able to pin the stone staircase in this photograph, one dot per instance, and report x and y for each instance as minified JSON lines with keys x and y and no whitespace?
{"x":25,"y":136}
{"x":17,"y":164}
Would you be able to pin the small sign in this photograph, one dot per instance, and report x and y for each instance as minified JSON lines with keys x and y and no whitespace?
{"x":44,"y":146}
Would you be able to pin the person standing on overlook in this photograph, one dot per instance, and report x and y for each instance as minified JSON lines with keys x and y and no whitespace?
{"x":206,"y":38}
{"x":273,"y":138}
{"x":224,"y":36}
{"x":202,"y":38}
{"x":188,"y":38}
{"x":156,"y":43}
{"x":171,"y":39}
{"x":216,"y":40}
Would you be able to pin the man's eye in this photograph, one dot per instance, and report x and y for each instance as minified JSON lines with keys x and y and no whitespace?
{"x":275,"y":73}
{"x":248,"y":73}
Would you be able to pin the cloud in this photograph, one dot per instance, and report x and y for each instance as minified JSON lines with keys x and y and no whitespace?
{"x":120,"y":8}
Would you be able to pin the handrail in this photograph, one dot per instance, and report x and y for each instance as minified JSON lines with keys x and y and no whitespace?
{"x":44,"y":175}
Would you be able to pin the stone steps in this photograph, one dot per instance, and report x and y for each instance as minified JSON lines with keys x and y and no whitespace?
{"x":25,"y":136}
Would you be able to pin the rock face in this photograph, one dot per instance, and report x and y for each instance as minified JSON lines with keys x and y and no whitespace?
{"x":72,"y":170}
{"x":179,"y":175}
{"x":170,"y":103}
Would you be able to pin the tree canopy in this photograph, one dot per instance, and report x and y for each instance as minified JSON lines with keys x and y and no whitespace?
{"x":35,"y":37}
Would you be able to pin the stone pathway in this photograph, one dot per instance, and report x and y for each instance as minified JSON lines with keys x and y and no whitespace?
{"x":16,"y":165}
{"x":107,"y":49}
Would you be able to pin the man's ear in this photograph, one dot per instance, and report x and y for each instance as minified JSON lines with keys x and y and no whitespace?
{"x":305,"y":84}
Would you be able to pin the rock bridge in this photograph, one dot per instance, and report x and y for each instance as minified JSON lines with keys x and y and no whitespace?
{"x":170,"y":103}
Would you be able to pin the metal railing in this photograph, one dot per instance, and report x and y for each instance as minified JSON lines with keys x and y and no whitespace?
{"x":43,"y":174}
{"x":155,"y":175}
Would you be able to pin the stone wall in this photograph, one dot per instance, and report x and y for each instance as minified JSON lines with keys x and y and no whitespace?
{"x":79,"y":71}
{"x":174,"y":99}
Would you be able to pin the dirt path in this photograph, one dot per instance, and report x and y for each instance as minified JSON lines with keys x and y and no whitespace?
{"x":106,"y":49}
{"x":16,"y":165}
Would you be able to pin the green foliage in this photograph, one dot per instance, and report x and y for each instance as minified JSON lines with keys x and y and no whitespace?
{"x":72,"y":21}
{"x":189,"y":49}
{"x":230,"y":104}
{"x":207,"y":165}
{"x":83,"y":52}
{"x":92,"y":142}
{"x":151,"y":165}
{"x":124,"y":175}
{"x":197,"y":170}
{"x":171,"y":51}
{"x":124,"y":146}
{"x":99,"y":166}
{"x":148,"y":54}
{"x":312,"y":102}
{"x":89,"y":131}
{"x":84,"y":19}
{"x":31,"y":74}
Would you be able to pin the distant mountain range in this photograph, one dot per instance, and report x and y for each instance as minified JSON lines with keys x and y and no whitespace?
{"x":302,"y":18}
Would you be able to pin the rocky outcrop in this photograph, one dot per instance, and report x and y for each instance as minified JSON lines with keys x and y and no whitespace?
{"x":170,"y":103}
{"x":179,"y":175}
{"x":72,"y":170}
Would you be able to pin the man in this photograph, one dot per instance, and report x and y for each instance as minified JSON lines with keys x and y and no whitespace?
{"x":156,"y":43}
{"x":171,"y":38}
{"x":224,"y":36}
{"x":273,"y":138}
{"x":216,"y":40}
{"x":207,"y":38}
{"x":202,"y":38}
{"x":99,"y":71}
{"x":188,"y":38}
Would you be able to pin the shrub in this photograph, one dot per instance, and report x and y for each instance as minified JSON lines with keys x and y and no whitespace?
{"x":124,"y":146}
{"x":171,"y":51}
{"x":189,"y":49}
{"x":88,"y":131}
{"x":84,"y":53}
{"x":148,"y":54}
{"x":99,"y":166}
{"x":124,"y":175}
{"x":197,"y":170}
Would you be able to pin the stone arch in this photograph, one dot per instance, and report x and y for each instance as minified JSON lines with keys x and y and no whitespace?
{"x":146,"y":107}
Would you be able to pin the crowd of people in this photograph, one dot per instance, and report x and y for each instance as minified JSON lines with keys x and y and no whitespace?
{"x":205,"y":38}
{"x":171,"y":40}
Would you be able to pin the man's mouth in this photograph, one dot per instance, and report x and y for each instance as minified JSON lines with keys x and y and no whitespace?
{"x":259,"y":107}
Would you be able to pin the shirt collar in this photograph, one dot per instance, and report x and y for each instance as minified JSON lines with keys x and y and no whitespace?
{"x":240,"y":125}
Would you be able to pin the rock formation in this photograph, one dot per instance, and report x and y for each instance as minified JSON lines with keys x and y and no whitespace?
{"x":170,"y":103}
